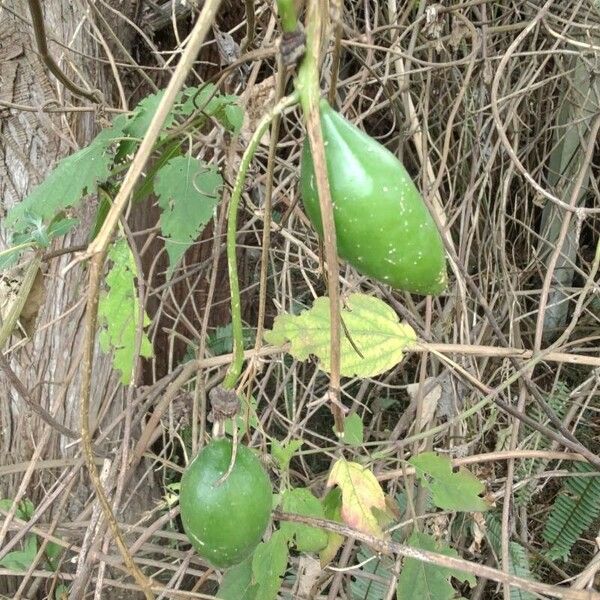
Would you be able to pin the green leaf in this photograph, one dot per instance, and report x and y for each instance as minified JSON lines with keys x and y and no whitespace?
{"x":118,"y":312}
{"x":138,"y":121}
{"x":332,"y":508}
{"x":237,"y":582}
{"x":53,"y":551}
{"x":187,"y":192}
{"x":377,"y":570}
{"x":574,"y":510}
{"x":559,"y":400}
{"x":25,"y":508}
{"x":145,"y":186}
{"x":372,"y":325}
{"x":221,"y":341}
{"x":9,"y":257}
{"x":234,"y":117}
{"x":268,"y":565}
{"x":450,"y":491}
{"x":353,"y":430}
{"x":300,"y":501}
{"x":20,"y":560}
{"x":283,"y":453}
{"x":422,"y":581}
{"x":104,"y":205}
{"x":207,"y":101}
{"x":144,"y":112}
{"x":61,"y":227}
{"x":72,"y":178}
{"x":61,"y":592}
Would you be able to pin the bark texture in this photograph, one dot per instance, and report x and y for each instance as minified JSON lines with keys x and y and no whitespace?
{"x":32,"y":140}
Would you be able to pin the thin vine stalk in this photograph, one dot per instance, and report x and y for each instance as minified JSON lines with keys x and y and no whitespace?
{"x":235,"y":368}
{"x":97,"y":251}
{"x":96,"y":267}
{"x":267,"y":206}
{"x":390,"y":547}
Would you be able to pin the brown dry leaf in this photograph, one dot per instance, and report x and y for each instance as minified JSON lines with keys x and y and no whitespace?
{"x":479,"y":529}
{"x":260,"y":99}
{"x":453,"y":395}
{"x":10,"y":290}
{"x":434,"y":25}
{"x":458,"y":33}
{"x":432,"y":392}
{"x":33,"y":304}
{"x":309,"y":571}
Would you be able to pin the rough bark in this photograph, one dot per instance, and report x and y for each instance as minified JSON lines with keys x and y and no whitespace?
{"x":32,"y":140}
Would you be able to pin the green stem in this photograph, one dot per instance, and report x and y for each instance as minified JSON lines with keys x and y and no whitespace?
{"x":16,"y":248}
{"x":235,"y":368}
{"x":289,"y":17}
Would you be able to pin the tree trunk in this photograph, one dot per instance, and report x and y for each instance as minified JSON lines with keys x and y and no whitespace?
{"x":33,"y":138}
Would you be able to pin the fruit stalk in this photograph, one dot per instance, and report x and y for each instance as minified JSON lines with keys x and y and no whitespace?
{"x":307,"y":84}
{"x":288,"y":15}
{"x":235,"y":367}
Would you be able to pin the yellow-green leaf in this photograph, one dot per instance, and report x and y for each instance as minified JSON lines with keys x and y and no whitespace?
{"x":361,"y":493}
{"x":119,"y":312}
{"x":372,"y":340}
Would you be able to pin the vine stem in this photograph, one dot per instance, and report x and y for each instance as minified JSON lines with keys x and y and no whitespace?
{"x":336,"y":7}
{"x":307,"y":84}
{"x":39,"y":31}
{"x":96,"y":267}
{"x":267,"y":208}
{"x":390,"y":547}
{"x":235,"y":368}
{"x":288,"y":15}
{"x":97,"y":251}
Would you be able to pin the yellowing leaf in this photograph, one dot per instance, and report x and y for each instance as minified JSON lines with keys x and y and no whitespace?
{"x":372,"y":340}
{"x":450,"y":491}
{"x":361,"y":493}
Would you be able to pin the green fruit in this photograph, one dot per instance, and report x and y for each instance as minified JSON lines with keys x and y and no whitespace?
{"x":383,"y":228}
{"x":225,"y":523}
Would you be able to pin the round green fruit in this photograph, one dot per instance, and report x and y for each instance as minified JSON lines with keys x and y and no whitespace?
{"x":383,"y":227}
{"x":225,"y":522}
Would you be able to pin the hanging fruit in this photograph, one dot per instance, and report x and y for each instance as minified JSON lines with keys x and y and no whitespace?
{"x":225,"y":520}
{"x":383,"y":227}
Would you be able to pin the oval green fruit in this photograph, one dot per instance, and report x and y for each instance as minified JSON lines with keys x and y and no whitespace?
{"x":225,"y":522}
{"x":383,"y":227}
